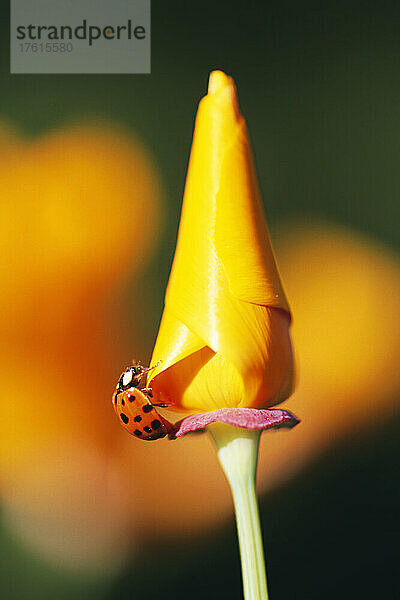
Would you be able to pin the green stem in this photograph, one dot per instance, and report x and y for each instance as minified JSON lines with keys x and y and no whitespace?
{"x":237,"y":451}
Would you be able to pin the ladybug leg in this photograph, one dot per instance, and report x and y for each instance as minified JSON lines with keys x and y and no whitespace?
{"x":147,"y":391}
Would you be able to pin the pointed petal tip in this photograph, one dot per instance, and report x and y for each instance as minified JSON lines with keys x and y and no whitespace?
{"x":223,"y":87}
{"x":218,"y":80}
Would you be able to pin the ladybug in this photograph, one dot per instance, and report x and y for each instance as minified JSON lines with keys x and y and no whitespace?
{"x":134,"y":407}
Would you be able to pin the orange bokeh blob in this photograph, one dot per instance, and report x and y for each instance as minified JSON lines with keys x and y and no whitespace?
{"x":345,"y":293}
{"x":71,"y":238}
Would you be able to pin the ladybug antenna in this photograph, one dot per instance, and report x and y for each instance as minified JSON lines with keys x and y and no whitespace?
{"x":144,"y":370}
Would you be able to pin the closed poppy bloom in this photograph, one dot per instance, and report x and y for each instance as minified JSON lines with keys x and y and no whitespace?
{"x":224,"y":337}
{"x":223,"y":351}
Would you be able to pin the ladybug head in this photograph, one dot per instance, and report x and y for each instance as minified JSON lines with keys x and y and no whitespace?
{"x":130,"y":378}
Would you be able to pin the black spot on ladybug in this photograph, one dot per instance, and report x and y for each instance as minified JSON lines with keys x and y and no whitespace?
{"x":137,"y":419}
{"x":124,"y":418}
{"x":147,"y":429}
{"x":147,"y":408}
{"x":156,"y":424}
{"x":138,"y":433}
{"x":123,"y":402}
{"x":131,"y":398}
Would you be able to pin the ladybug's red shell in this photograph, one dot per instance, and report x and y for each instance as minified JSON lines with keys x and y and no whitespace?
{"x":138,"y":415}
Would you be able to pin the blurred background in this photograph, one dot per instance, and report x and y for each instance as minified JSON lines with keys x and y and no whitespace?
{"x":92,"y":170}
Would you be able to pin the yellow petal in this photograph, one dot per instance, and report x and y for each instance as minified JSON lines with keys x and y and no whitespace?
{"x":224,"y":294}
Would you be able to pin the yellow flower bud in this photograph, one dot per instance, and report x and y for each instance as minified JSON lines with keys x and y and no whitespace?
{"x":224,"y":336}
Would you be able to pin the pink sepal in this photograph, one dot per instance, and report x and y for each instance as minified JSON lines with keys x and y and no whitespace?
{"x":248,"y":418}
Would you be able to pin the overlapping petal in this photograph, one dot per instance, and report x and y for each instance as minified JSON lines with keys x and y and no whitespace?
{"x":224,"y":337}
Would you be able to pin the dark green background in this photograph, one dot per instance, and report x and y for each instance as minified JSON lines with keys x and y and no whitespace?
{"x":319,"y":85}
